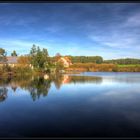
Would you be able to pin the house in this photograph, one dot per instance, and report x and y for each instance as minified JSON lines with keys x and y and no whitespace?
{"x":12,"y":60}
{"x":66,"y":61}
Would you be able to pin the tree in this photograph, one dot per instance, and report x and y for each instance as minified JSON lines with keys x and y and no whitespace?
{"x":124,"y":61}
{"x":86,"y":59}
{"x":3,"y":55}
{"x":59,"y":66}
{"x":24,"y":60}
{"x":57,"y":56}
{"x":39,"y":58}
{"x":14,"y":53}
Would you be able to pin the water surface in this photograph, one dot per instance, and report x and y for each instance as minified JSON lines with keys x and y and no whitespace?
{"x":90,"y":104}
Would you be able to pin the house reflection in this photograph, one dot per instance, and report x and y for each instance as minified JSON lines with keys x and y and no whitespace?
{"x":66,"y":79}
{"x":13,"y":86}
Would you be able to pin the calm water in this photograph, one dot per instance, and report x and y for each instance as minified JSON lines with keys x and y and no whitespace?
{"x":79,"y":105}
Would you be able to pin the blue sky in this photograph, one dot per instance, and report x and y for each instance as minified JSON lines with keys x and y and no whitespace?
{"x":111,"y":30}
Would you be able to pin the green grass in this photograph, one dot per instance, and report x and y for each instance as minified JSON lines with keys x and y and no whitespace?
{"x":129,"y":65}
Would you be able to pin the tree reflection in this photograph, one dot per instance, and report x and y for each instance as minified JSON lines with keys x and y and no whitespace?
{"x":85,"y":79}
{"x":57,"y":79}
{"x":67,"y":79}
{"x":38,"y":86}
{"x":3,"y":94}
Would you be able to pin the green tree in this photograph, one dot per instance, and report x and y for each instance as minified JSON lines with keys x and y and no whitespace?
{"x":86,"y":59}
{"x":57,"y":56}
{"x":59,"y":66}
{"x":3,"y":55}
{"x":124,"y":61}
{"x":39,"y":58}
{"x":14,"y":53}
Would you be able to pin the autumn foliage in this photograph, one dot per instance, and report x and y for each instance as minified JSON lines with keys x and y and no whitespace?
{"x":93,"y":67}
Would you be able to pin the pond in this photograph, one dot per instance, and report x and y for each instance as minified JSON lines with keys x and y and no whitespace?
{"x":90,"y":104}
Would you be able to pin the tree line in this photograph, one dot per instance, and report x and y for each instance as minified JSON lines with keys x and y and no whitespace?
{"x":41,"y":61}
{"x":100,"y":60}
{"x":42,"y":58}
{"x":86,"y":59}
{"x":124,"y":61}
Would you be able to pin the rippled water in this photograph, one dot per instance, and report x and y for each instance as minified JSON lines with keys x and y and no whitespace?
{"x":90,"y":104}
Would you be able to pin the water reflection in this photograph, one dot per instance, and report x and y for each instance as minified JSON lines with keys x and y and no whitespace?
{"x":67,"y":79}
{"x":3,"y":93}
{"x":38,"y":86}
{"x":115,"y":77}
{"x":89,"y":105}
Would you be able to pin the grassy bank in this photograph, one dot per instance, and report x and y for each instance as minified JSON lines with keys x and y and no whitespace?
{"x":7,"y":71}
{"x":129,"y":68}
{"x":24,"y":71}
{"x":92,"y":67}
{"x":130,"y":65}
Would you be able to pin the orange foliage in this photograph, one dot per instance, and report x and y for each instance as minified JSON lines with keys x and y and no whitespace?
{"x":24,"y":60}
{"x":92,"y":67}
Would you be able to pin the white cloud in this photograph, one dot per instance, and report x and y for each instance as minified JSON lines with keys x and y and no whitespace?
{"x":117,"y":40}
{"x":132,"y":21}
{"x":22,"y":47}
{"x":53,"y":29}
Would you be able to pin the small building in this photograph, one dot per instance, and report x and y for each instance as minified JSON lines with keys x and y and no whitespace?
{"x":66,"y":61}
{"x":12,"y":60}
